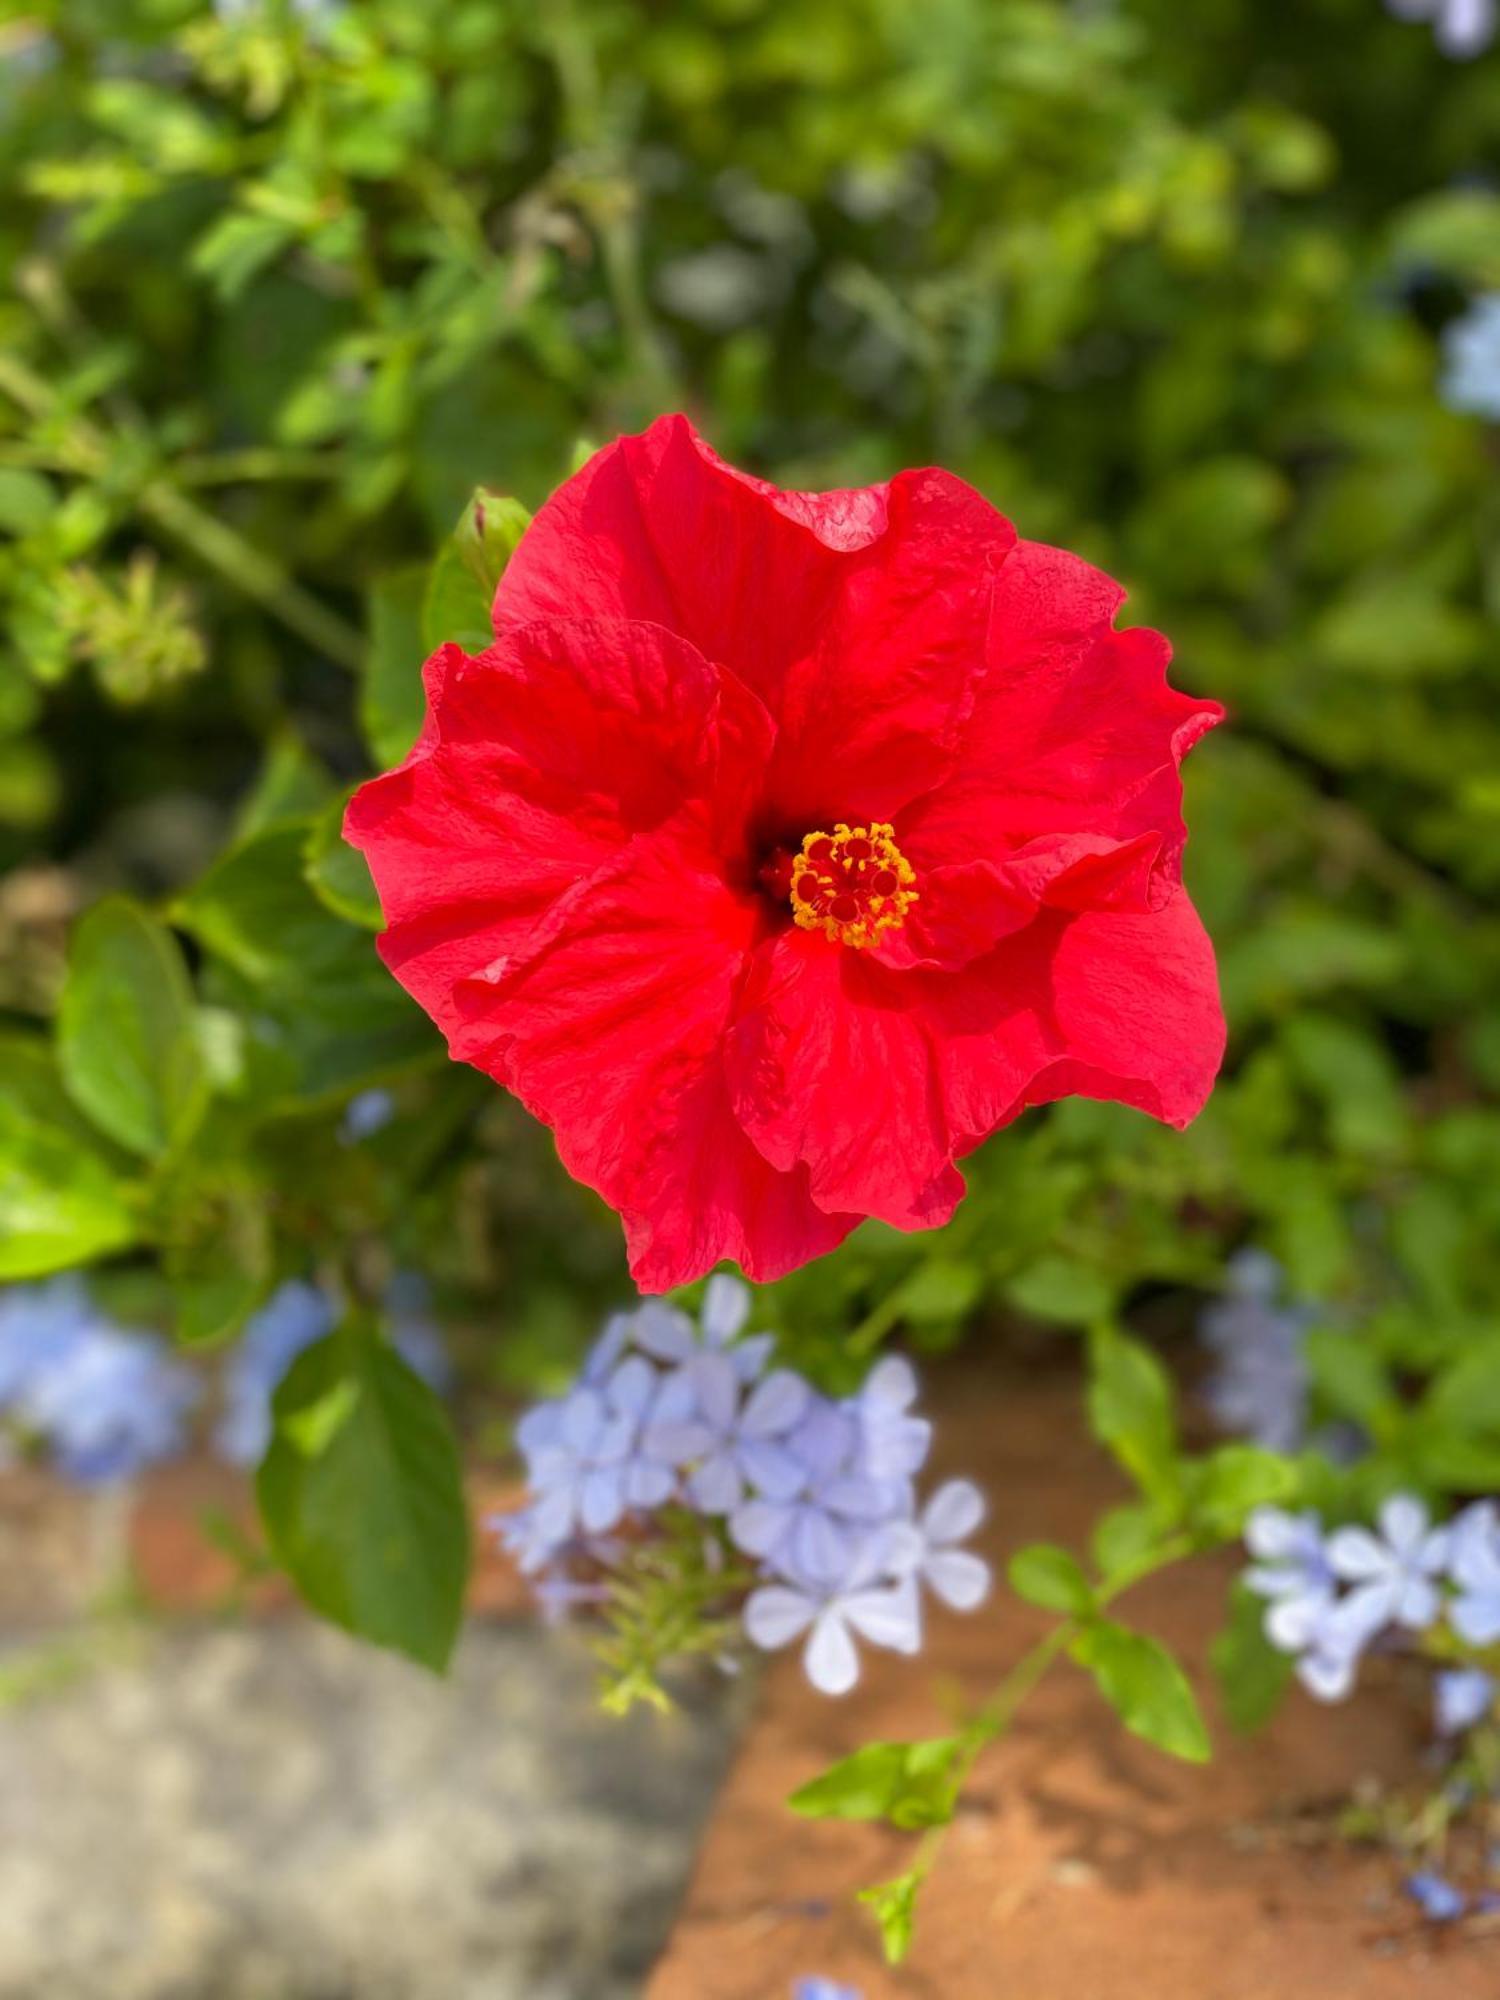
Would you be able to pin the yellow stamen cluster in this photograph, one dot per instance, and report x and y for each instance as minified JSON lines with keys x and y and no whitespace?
{"x":853,"y":884}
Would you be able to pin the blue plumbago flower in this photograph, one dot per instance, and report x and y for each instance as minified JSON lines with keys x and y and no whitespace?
{"x":110,"y":1403}
{"x":297,"y":1315}
{"x":1259,"y":1387}
{"x":1462,"y":1696}
{"x":824,"y":1989}
{"x":818,"y":1492}
{"x":37,"y":1324}
{"x":1471,"y":348}
{"x":1474,"y":1566}
{"x":1437,"y":1897}
{"x":585,"y":1457}
{"x":862,"y":1602}
{"x":893,"y":1444}
{"x":928,"y":1548}
{"x":1463,"y":28}
{"x":366,"y":1113}
{"x":733,"y":1445}
{"x":1394,"y":1573}
{"x":1293,"y":1572}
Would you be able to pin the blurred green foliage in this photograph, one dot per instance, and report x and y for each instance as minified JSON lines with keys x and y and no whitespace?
{"x":285,"y":283}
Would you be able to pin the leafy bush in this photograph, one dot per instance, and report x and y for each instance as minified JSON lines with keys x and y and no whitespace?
{"x":292,"y":281}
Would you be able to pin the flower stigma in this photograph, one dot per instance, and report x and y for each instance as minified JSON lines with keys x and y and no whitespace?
{"x":853,"y":884}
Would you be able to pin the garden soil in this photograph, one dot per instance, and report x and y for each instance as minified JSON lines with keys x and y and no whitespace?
{"x":1084,"y":1865}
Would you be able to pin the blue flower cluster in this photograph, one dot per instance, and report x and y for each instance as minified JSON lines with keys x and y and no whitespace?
{"x":1259,"y":1385}
{"x":1329,"y":1596}
{"x":106,"y":1400}
{"x":1464,"y":28}
{"x":1471,"y":348}
{"x":818,"y":1493}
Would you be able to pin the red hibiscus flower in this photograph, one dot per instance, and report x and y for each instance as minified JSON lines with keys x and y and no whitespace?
{"x":785,"y":845}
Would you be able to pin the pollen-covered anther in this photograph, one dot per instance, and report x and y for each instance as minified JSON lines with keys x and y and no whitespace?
{"x":853,"y":884}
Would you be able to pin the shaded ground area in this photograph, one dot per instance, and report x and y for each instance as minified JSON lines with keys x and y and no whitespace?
{"x":1086,"y":1866}
{"x":265,"y":1810}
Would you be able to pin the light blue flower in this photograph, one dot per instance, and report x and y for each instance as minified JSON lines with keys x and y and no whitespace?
{"x":929,"y":1547}
{"x":892,"y":1442}
{"x":1461,"y":1696}
{"x":1440,"y":1901}
{"x":1471,"y":349}
{"x":366,"y":1113}
{"x":863,"y":1605}
{"x":815,"y":1538}
{"x":1474,"y":1566}
{"x":734,"y":1444}
{"x":1463,"y":28}
{"x":824,"y":1989}
{"x":110,"y":1404}
{"x":585,"y":1458}
{"x":1259,"y":1387}
{"x":1293,"y":1573}
{"x":1393,"y":1573}
{"x":37,"y":1325}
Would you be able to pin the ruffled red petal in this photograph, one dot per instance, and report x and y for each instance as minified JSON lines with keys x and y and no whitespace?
{"x":858,"y":617}
{"x":539,"y":761}
{"x":613,"y":1035}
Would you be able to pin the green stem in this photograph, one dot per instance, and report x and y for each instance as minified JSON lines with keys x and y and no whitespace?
{"x":993,"y":1720}
{"x":217,"y":545}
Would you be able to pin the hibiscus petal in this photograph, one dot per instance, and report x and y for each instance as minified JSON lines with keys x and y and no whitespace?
{"x":1121,"y":1007}
{"x":774,"y":1616}
{"x":830,"y":1660}
{"x":1075,"y":729}
{"x":611,"y":1034}
{"x":859,"y":617}
{"x":540,"y":760}
{"x":828,"y":1067}
{"x":953,"y":1512}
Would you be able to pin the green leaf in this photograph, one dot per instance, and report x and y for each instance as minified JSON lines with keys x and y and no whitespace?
{"x":1145,"y":1687}
{"x":1252,"y":1676}
{"x":362,"y":1497}
{"x":1049,"y":1576}
{"x":337,"y":873}
{"x":391,"y":701}
{"x":1229,"y":1483}
{"x":127,"y":1038}
{"x":909,"y":1785}
{"x":327,"y":1015}
{"x":1131,"y":1412}
{"x":1123,"y":1538}
{"x":1062,"y":1289}
{"x":894,"y":1906}
{"x":62,"y":1202}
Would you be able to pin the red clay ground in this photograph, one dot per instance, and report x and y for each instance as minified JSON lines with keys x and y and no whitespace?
{"x":1085,"y":1865}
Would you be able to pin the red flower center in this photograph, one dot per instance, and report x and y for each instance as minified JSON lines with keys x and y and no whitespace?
{"x":852,"y":884}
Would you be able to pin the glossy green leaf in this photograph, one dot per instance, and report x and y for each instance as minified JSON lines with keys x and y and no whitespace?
{"x":362,"y":1497}
{"x":909,"y":1785}
{"x":1145,"y":1687}
{"x":127,"y":1039}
